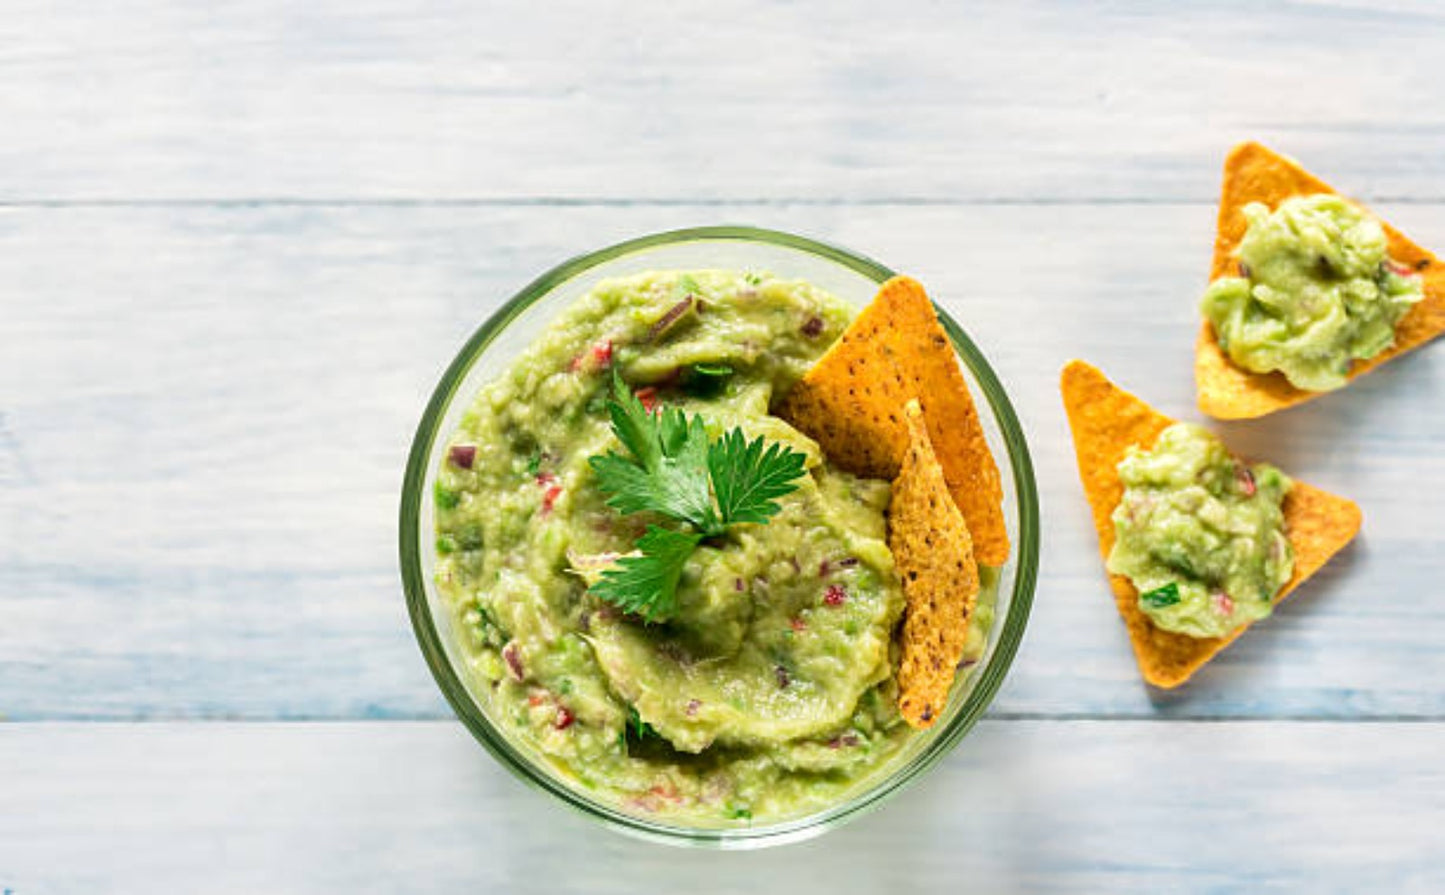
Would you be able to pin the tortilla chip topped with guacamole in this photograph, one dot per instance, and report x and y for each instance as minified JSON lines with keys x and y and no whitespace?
{"x":1108,"y":424}
{"x":1256,"y":176}
{"x":851,"y":402}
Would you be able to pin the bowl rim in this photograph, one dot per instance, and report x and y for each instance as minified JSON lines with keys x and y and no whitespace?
{"x":991,"y":675}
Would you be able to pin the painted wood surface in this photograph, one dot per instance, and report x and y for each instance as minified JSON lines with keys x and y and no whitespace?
{"x":1021,"y":806}
{"x":440,"y":99}
{"x":238,"y":244}
{"x":207,"y":410}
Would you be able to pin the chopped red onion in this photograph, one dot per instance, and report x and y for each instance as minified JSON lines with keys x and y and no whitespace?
{"x":462,"y":455}
{"x":512,"y":654}
{"x":670,"y":319}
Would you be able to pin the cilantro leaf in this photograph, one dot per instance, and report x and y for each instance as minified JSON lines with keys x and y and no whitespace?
{"x":1160,"y":597}
{"x":747,"y":477}
{"x":671,"y":469}
{"x":667,"y":472}
{"x":647,"y":584}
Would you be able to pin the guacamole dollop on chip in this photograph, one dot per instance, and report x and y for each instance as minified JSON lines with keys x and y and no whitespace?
{"x":1316,"y":292}
{"x":1199,"y":534}
{"x":1107,"y":422}
{"x":1255,"y":174}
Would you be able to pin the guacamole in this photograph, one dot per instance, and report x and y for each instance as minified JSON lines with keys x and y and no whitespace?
{"x":1316,"y":292}
{"x":1200,"y":534}
{"x":770,"y":690}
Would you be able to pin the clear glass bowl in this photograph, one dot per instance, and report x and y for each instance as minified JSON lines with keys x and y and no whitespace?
{"x":493,"y":348}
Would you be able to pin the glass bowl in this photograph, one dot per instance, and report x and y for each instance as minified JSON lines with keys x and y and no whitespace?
{"x":494,"y":346}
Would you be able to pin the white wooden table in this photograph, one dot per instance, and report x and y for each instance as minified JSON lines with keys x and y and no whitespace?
{"x":239,"y":243}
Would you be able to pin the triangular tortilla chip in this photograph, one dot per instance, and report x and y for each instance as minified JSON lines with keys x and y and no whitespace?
{"x":1253,"y":173}
{"x":851,"y":402}
{"x":1106,"y":422}
{"x":934,"y":556}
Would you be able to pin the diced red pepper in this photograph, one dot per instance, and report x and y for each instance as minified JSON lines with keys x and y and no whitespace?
{"x":648,"y":396}
{"x":1245,"y":478}
{"x":546,"y":478}
{"x":550,"y":497}
{"x":797,"y":623}
{"x":564,"y":718}
{"x":598,"y":357}
{"x":835,"y":595}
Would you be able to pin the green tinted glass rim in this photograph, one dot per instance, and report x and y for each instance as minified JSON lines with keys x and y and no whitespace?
{"x":429,"y":639}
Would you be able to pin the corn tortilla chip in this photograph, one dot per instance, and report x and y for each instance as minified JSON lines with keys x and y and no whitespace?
{"x":1253,"y":173}
{"x":1107,"y":421}
{"x":934,"y":556}
{"x":851,"y":403}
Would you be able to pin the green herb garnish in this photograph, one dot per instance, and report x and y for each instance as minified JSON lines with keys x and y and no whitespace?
{"x":675,"y":472}
{"x":446,"y":498}
{"x":1160,"y":597}
{"x":706,"y":380}
{"x":639,"y":728}
{"x":647,"y":584}
{"x":470,"y":537}
{"x":685,"y":286}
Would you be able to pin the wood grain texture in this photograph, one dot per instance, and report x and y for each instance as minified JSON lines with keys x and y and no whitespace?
{"x":437,"y":99}
{"x":1019,"y":807}
{"x":239,"y":242}
{"x":204,"y":413}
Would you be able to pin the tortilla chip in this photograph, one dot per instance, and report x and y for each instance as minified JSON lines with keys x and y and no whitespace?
{"x":934,"y":556}
{"x":1106,"y":422}
{"x":1253,"y":173}
{"x":851,"y":403}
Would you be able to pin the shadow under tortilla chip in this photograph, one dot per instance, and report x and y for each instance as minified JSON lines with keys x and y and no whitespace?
{"x":851,"y":402}
{"x":1253,"y":173}
{"x":1106,"y":422}
{"x":933,"y":553}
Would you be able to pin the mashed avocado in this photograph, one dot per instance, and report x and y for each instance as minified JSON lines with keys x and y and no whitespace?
{"x":771,"y":690}
{"x":1200,"y":534}
{"x":1316,"y":292}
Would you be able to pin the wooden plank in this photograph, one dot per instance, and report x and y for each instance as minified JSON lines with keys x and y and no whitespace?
{"x":1019,"y":807}
{"x":204,"y":414}
{"x":1041,"y":100}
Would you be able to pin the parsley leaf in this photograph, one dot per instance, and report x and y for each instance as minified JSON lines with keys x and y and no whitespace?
{"x":667,"y":472}
{"x":1160,"y":597}
{"x":672,"y":469}
{"x":746,"y":477}
{"x":647,"y":584}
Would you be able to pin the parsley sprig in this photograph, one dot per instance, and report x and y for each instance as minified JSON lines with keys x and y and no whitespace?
{"x":673,"y":470}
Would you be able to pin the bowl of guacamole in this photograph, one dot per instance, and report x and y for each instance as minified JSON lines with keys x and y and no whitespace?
{"x":737,"y":687}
